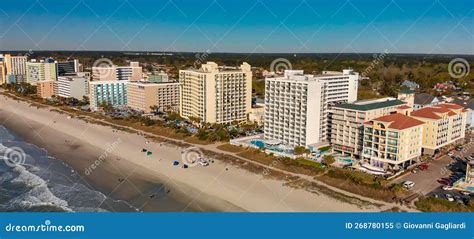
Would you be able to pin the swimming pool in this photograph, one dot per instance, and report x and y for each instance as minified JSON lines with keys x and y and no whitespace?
{"x":259,"y":143}
{"x":346,"y":161}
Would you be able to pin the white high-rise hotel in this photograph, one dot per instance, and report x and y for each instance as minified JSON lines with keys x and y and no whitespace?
{"x":296,"y":105}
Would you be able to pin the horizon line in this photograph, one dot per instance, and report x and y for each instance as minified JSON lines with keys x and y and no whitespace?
{"x":249,"y":53}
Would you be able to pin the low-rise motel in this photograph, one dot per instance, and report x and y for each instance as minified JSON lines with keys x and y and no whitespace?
{"x":45,"y":89}
{"x":145,"y":95}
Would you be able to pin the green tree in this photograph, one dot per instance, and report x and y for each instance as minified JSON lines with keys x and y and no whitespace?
{"x":299,"y":150}
{"x":328,"y":159}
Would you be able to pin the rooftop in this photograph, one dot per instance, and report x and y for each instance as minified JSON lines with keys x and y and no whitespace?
{"x":398,"y":121}
{"x":366,"y":105}
{"x":407,"y":91}
{"x":151,"y":83}
{"x":423,"y":99}
{"x":299,"y":76}
{"x":434,"y":112}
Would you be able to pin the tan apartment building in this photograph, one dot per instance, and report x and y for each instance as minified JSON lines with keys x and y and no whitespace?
{"x":15,"y":65}
{"x":392,"y":142}
{"x":3,"y":75}
{"x":15,"y":68}
{"x":45,"y":89}
{"x":444,"y":124}
{"x":346,"y":122}
{"x":143,"y":95}
{"x":216,"y":94}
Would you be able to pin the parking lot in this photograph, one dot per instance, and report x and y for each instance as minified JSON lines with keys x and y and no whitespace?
{"x":426,"y":181}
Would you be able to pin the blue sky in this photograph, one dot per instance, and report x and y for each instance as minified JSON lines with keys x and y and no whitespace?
{"x":293,"y":26}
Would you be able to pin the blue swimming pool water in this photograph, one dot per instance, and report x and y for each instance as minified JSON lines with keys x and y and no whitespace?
{"x":346,"y":160}
{"x":260,"y":144}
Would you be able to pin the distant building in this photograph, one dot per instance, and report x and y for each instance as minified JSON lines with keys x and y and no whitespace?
{"x":143,"y":95}
{"x":297,"y":105}
{"x":257,"y":114}
{"x":113,"y":93}
{"x":72,"y":87}
{"x":40,"y":71}
{"x":108,"y":73}
{"x":392,"y":142}
{"x":158,"y":77}
{"x":67,"y":67}
{"x":410,"y":85}
{"x":45,"y":89}
{"x":423,"y":100}
{"x":468,"y":104}
{"x":216,"y":94}
{"x":347,"y":122}
{"x":3,"y":70}
{"x":444,"y":124}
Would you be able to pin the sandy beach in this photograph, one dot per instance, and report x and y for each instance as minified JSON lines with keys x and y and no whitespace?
{"x":112,"y":161}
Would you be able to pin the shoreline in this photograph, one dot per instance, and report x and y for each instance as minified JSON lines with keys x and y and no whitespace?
{"x":218,"y":187}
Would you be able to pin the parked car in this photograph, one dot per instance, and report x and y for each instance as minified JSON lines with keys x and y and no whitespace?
{"x":423,"y":166}
{"x":465,"y":193}
{"x":447,"y":188}
{"x":445,"y":181}
{"x":449,"y":197}
{"x":408,"y":184}
{"x":204,"y":162}
{"x":450,"y":154}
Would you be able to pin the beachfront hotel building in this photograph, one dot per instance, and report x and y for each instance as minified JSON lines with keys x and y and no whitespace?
{"x":3,"y":71}
{"x":391,"y":142}
{"x":45,"y":89}
{"x":346,"y":122}
{"x":113,"y":93}
{"x":297,"y":105}
{"x":444,"y":124}
{"x":133,"y":72}
{"x":216,"y":94}
{"x":72,"y":87}
{"x":143,"y":95}
{"x":40,"y":71}
{"x":15,"y":68}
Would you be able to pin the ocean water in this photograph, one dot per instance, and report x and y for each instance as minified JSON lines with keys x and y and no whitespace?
{"x":32,"y":181}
